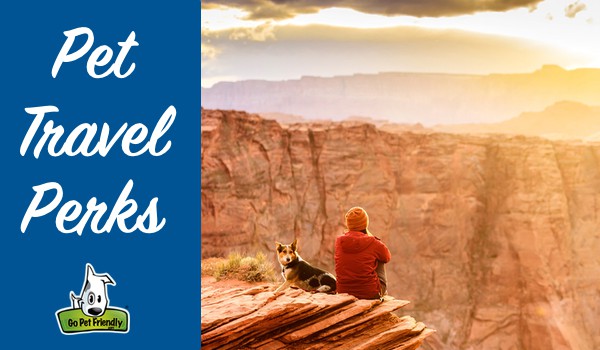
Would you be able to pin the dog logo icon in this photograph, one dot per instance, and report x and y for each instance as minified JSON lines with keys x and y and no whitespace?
{"x":93,"y":299}
{"x":89,"y":311}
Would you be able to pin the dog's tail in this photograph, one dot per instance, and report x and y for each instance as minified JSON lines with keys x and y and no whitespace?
{"x":329,"y":281}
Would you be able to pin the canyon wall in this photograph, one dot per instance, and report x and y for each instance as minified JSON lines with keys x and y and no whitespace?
{"x":494,"y":240}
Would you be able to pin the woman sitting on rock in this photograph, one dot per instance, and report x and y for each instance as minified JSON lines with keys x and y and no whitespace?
{"x":360,"y":259}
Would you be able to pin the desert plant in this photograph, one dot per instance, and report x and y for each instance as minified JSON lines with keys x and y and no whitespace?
{"x":245,"y":268}
{"x":209,"y":266}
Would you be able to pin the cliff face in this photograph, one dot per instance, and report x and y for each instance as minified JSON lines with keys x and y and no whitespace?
{"x":411,"y":97}
{"x":494,"y":240}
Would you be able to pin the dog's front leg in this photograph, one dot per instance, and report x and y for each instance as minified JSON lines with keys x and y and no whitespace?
{"x":283,"y":286}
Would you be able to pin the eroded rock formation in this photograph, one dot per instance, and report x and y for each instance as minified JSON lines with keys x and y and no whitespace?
{"x":256,"y":318}
{"x":494,"y":240}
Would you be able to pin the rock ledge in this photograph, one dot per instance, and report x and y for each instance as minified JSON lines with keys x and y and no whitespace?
{"x":256,"y":318}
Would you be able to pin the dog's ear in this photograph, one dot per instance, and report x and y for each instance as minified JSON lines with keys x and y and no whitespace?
{"x":89,"y":270}
{"x":75,"y":301}
{"x":106,"y":279}
{"x":294,"y":244}
{"x":279,"y":246}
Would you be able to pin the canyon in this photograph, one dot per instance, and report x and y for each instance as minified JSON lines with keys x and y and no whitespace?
{"x":494,"y":239}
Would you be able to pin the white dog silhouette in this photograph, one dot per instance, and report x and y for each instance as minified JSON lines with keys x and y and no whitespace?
{"x":93,"y":299}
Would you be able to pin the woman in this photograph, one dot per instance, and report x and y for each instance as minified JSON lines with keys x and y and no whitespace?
{"x":360,"y":259}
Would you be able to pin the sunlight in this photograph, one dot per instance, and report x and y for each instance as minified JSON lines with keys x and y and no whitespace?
{"x":226,"y":18}
{"x":547,"y":24}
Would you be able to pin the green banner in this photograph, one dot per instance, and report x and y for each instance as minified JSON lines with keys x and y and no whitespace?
{"x":75,"y":321}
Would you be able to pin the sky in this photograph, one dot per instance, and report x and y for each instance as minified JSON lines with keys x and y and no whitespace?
{"x":287,"y":39}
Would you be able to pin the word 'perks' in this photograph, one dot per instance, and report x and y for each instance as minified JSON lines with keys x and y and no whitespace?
{"x":72,"y":212}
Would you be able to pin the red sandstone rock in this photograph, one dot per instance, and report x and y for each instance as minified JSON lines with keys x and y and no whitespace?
{"x":494,"y":240}
{"x":295,"y":319}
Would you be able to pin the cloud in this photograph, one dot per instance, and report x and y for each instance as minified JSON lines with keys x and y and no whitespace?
{"x":259,"y":33}
{"x":318,"y":50}
{"x":573,"y":9}
{"x":280,"y":9}
{"x":208,"y":51}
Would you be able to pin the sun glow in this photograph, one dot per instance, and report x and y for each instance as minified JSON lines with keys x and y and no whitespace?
{"x":547,"y":24}
{"x":226,"y":18}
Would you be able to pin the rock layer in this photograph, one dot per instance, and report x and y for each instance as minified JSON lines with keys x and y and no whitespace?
{"x":494,"y":240}
{"x":256,"y":318}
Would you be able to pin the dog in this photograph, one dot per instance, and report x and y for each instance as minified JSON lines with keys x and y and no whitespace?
{"x":299,"y":273}
{"x":93,"y":299}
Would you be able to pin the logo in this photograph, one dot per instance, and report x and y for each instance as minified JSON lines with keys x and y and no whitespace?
{"x":89,"y":312}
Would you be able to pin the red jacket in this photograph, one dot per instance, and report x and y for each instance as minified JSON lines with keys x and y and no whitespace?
{"x":356,"y":256}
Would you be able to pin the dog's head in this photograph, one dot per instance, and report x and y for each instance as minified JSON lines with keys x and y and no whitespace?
{"x":94,"y":299}
{"x":287,"y":253}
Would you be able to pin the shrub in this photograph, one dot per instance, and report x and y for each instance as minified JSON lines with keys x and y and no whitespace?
{"x":245,"y":268}
{"x":209,"y":266}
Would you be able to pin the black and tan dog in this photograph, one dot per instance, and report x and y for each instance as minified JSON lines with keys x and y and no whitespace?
{"x":301,"y":274}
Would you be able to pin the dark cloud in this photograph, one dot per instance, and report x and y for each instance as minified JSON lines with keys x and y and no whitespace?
{"x":573,"y":9}
{"x":278,"y":9}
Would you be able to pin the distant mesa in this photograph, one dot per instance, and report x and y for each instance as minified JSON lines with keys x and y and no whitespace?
{"x":551,"y":69}
{"x":283,"y":118}
{"x":364,"y":119}
{"x":409,"y":98}
{"x":562,"y":120}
